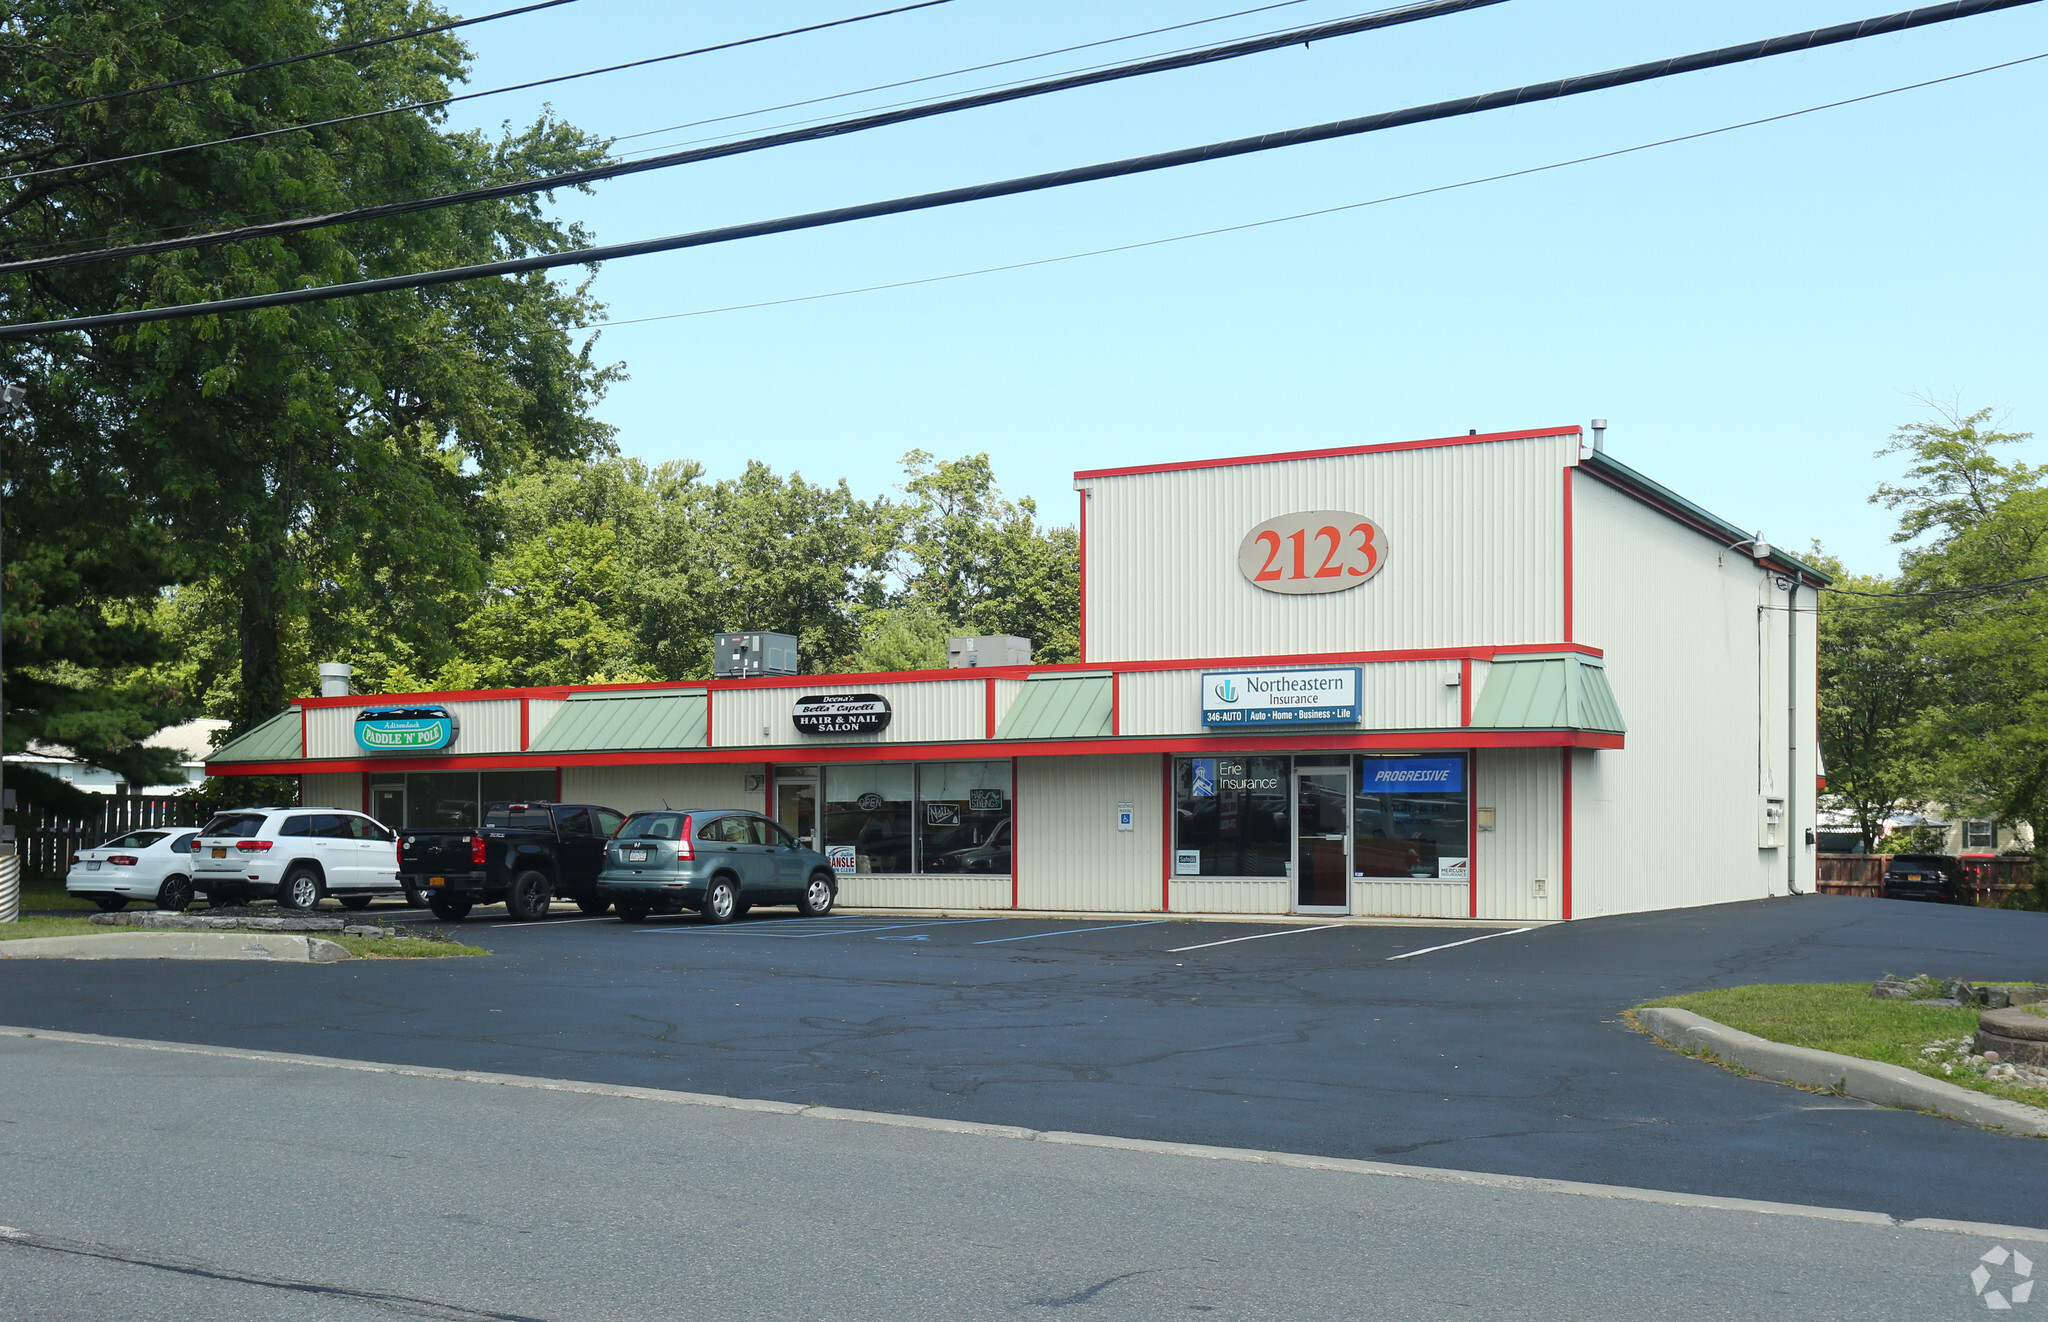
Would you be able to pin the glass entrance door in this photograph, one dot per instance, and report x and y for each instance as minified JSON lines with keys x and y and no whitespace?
{"x":387,"y":805}
{"x":796,"y":807}
{"x":1322,"y":841}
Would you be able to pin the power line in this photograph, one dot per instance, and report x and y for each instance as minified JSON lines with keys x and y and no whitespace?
{"x":1552,"y":90}
{"x":577,"y":178}
{"x":766,"y":110}
{"x":1260,"y":224}
{"x":284,"y":60}
{"x":1948,"y":594}
{"x":1320,"y":211}
{"x":439,"y":102}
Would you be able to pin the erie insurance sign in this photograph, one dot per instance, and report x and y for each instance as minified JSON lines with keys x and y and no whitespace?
{"x":1244,"y":698}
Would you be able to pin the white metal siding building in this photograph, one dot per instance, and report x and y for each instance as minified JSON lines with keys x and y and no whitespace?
{"x":1478,"y":676}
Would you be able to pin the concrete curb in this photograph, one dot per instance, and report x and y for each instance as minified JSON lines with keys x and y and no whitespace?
{"x":969,"y":1128}
{"x":1154,"y":915}
{"x":1852,"y":1076}
{"x":276,"y":947}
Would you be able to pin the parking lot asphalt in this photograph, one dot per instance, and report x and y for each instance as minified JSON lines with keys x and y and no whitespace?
{"x":1502,"y":1052}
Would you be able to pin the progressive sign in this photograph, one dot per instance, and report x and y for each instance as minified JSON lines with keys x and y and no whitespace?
{"x":1244,"y":698}
{"x":405,"y":729}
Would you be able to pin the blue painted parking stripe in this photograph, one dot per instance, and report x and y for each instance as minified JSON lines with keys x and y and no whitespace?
{"x":1032,"y":936}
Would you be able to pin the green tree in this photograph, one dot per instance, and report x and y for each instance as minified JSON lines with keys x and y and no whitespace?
{"x":1876,"y":680}
{"x":1985,"y":521}
{"x":321,"y":469}
{"x":983,"y":562}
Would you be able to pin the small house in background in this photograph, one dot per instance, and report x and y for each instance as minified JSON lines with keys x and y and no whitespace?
{"x":193,"y":741}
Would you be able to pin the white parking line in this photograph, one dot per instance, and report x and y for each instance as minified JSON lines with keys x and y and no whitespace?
{"x":1032,"y":936}
{"x":787,"y":932}
{"x":551,"y":922}
{"x":1430,"y":950}
{"x":1257,"y":936}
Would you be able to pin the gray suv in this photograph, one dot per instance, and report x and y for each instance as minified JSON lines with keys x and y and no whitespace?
{"x":720,"y":862}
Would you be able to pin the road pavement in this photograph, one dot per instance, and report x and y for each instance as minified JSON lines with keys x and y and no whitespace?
{"x":1506,"y":1054}
{"x":146,"y":1186}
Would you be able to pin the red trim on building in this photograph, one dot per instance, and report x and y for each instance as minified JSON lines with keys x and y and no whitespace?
{"x":1337,"y":453}
{"x":988,"y":711}
{"x":1472,"y":829}
{"x":1465,"y":691}
{"x":1167,"y":822}
{"x":1116,"y":714}
{"x":1568,"y":552}
{"x":962,"y":751}
{"x":1565,"y":886}
{"x":1689,"y":521}
{"x":525,"y":722}
{"x":768,"y":793}
{"x":303,"y":750}
{"x":1015,"y":838}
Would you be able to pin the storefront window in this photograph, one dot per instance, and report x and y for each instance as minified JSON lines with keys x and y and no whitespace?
{"x":451,"y":800}
{"x":964,"y":817}
{"x":1408,"y":818}
{"x":870,"y":813}
{"x":1231,"y":817}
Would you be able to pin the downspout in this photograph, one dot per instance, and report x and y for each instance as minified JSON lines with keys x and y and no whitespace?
{"x":1792,"y":782}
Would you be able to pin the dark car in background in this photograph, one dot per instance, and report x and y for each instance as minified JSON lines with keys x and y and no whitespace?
{"x":719,"y":861}
{"x":1922,"y":877}
{"x":524,"y":854}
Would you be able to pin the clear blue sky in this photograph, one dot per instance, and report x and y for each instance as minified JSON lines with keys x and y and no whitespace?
{"x":1753,"y":312}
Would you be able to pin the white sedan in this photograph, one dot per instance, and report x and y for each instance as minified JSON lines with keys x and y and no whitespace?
{"x":142,"y":865}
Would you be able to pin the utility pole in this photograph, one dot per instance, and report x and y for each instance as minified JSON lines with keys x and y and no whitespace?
{"x":11,"y":396}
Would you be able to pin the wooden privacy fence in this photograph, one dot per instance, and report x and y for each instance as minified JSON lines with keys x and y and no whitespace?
{"x":47,"y":839}
{"x":1987,"y":880}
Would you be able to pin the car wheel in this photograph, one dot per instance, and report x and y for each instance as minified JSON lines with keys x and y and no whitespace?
{"x":529,"y":898}
{"x":632,"y":911}
{"x":449,"y":911}
{"x":742,"y":909}
{"x":175,"y":894}
{"x":721,"y":901}
{"x":111,"y":903}
{"x":818,"y":897}
{"x":594,"y":907}
{"x":418,"y":898}
{"x":355,"y":901}
{"x":300,"y":889}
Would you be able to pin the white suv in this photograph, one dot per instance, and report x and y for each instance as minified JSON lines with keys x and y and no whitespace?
{"x":297,"y":855}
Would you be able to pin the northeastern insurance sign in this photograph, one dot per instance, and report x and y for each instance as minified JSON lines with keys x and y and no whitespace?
{"x":1247,"y":698}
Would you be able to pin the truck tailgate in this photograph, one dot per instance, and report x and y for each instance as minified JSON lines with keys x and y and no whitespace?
{"x":434,"y":851}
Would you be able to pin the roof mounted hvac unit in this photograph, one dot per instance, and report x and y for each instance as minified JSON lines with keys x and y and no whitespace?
{"x":992,"y":650}
{"x":746,"y":655}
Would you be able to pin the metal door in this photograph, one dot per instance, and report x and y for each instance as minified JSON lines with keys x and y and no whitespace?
{"x":796,"y":808}
{"x":387,"y":805}
{"x":1322,"y":840}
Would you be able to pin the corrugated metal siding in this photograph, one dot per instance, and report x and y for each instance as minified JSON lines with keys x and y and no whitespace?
{"x":1475,"y":536}
{"x":871,"y":891}
{"x":276,"y":740}
{"x":1007,"y":691}
{"x":632,"y":789}
{"x":1548,"y":693}
{"x":1061,"y":707}
{"x":1410,"y":899}
{"x":1677,"y":618}
{"x":332,"y":789}
{"x":922,"y":711}
{"x":1393,"y":695}
{"x":1070,"y":854}
{"x":488,"y":726}
{"x":625,"y":721}
{"x":1231,"y":895}
{"x":539,"y":711}
{"x":1524,"y":787}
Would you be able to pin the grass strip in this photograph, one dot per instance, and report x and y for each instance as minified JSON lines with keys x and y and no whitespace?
{"x":364,"y":947}
{"x":1845,"y":1018}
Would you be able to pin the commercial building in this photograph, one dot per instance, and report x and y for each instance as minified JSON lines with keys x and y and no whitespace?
{"x":1497,"y":676}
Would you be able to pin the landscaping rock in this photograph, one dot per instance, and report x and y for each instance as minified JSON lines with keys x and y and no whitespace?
{"x":2018,"y":1035}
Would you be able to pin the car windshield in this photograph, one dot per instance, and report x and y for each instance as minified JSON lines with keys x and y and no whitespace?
{"x":529,"y":816}
{"x":652,"y":826}
{"x":136,"y":840}
{"x":240,"y":824}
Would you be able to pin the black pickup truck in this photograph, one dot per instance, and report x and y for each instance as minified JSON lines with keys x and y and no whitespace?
{"x":524,"y":854}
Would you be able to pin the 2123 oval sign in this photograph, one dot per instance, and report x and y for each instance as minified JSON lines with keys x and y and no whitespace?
{"x":1315,"y":551}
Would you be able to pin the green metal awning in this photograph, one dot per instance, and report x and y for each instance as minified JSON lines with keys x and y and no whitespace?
{"x":618,"y":722}
{"x":282,"y":738}
{"x":1566,"y":692}
{"x":1061,"y":707}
